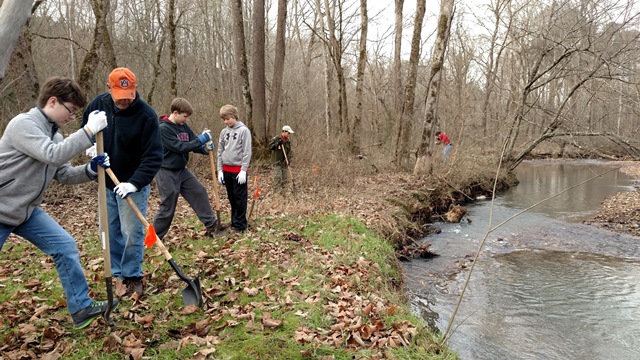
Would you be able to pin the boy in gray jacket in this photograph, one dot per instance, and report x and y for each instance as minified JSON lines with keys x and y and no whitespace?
{"x":32,"y":153}
{"x":234,"y":155}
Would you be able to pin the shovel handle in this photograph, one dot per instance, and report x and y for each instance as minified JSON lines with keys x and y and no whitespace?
{"x":286,"y":159}
{"x":140,"y":216}
{"x":103,"y":228}
{"x":215,"y":181}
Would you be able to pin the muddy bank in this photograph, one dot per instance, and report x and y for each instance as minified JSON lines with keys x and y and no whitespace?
{"x":621,"y":212}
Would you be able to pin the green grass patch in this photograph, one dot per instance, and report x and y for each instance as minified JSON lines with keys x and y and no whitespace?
{"x":289,"y":289}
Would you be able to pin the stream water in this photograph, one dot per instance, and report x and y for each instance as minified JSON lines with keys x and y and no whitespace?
{"x":545,"y":285}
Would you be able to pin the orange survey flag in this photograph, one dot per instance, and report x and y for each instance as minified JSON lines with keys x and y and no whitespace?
{"x":255,"y":195}
{"x":151,"y":237}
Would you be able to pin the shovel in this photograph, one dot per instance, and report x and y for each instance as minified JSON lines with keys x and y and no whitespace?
{"x":216,"y":191}
{"x":192,"y":294}
{"x":286,"y":159}
{"x":104,"y":230}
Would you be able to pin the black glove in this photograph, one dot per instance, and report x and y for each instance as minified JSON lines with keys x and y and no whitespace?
{"x":280,"y":142}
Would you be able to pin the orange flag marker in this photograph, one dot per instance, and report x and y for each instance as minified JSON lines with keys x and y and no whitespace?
{"x":151,"y":237}
{"x":255,"y":195}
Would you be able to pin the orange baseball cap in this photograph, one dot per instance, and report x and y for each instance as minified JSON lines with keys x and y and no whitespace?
{"x":123,"y":84}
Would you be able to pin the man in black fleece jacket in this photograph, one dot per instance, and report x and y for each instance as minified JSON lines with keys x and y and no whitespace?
{"x":135,"y":149}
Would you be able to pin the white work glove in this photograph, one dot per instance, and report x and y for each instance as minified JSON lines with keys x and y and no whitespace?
{"x":205,"y":136}
{"x":97,"y":121}
{"x":220,"y":177}
{"x":209,"y":146}
{"x":242,"y":177}
{"x":125,"y":189}
{"x":92,"y":151}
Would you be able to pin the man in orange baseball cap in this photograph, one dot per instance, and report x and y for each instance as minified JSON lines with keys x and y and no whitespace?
{"x":122,"y":86}
{"x":134,"y":146}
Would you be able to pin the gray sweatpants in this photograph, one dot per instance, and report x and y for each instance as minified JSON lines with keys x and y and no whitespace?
{"x":173,"y":183}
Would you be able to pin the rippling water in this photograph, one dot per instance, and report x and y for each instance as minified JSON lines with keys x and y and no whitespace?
{"x":544,"y":287}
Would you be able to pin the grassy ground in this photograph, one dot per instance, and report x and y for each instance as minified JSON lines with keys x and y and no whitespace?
{"x":315,"y":277}
{"x":321,"y":287}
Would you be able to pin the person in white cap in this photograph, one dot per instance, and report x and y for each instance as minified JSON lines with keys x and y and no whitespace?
{"x":281,"y":157}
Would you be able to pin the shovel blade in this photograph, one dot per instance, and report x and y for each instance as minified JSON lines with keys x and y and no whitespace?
{"x":192,"y":294}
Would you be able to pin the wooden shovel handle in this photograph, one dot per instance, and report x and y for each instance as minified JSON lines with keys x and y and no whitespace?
{"x":102,"y":209}
{"x":215,"y":180}
{"x":140,"y":216}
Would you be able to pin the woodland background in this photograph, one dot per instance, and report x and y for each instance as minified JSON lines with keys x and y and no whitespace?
{"x":503,"y":79}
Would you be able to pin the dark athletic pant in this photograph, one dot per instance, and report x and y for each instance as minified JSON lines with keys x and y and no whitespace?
{"x":237,"y":195}
{"x":173,"y":183}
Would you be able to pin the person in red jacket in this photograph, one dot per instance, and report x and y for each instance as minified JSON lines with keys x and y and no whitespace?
{"x":442,"y":138}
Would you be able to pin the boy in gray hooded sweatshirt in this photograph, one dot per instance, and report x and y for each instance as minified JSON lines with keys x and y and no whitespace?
{"x":234,"y":155}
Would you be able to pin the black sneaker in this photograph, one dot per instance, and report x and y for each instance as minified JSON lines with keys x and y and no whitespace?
{"x":134,"y":285}
{"x":85,"y":316}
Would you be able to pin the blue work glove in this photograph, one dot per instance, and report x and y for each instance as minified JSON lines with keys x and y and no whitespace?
{"x":242,"y":177}
{"x":209,"y":146}
{"x":102,"y":160}
{"x":220,"y":177}
{"x":124,"y":189}
{"x":204,"y":137}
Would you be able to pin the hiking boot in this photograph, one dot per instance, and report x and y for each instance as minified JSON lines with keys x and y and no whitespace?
{"x":134,"y":285}
{"x":85,"y":316}
{"x":212,"y":230}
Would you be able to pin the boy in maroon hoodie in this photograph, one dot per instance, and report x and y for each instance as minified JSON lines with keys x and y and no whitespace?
{"x":173,"y":178}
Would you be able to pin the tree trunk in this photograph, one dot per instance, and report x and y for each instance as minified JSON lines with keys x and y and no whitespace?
{"x":92,"y":58}
{"x":171,"y":25}
{"x":258,"y":124}
{"x":23,"y":72}
{"x":241,"y":56}
{"x":14,"y":14}
{"x":278,"y":67}
{"x":397,"y":75}
{"x":423,"y":163}
{"x":335,"y":50}
{"x":404,"y":143}
{"x":362,"y":62}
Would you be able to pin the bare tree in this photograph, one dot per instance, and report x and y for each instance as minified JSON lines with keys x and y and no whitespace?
{"x":423,"y":163}
{"x":100,"y":33}
{"x":14,"y":14}
{"x":241,"y":55}
{"x":278,"y":67}
{"x":258,"y":122}
{"x":406,"y":117}
{"x":171,"y":27}
{"x":334,"y":45}
{"x":362,"y":63}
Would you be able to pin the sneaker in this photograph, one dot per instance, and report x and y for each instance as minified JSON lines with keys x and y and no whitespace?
{"x":85,"y":316}
{"x":134,"y":285}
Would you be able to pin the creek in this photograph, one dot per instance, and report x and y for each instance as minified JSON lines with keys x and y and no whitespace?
{"x":545,"y":286}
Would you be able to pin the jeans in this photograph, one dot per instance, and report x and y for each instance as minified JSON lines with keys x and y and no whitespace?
{"x":445,"y":152}
{"x":126,"y":233}
{"x":47,"y":235}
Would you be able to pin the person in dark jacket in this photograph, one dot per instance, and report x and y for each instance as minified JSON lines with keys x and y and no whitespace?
{"x":174,"y":179}
{"x":280,"y":157}
{"x":33,"y":153}
{"x":133,"y":143}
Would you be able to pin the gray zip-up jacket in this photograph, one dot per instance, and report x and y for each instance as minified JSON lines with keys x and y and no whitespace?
{"x":234,"y":146}
{"x":32,"y":153}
